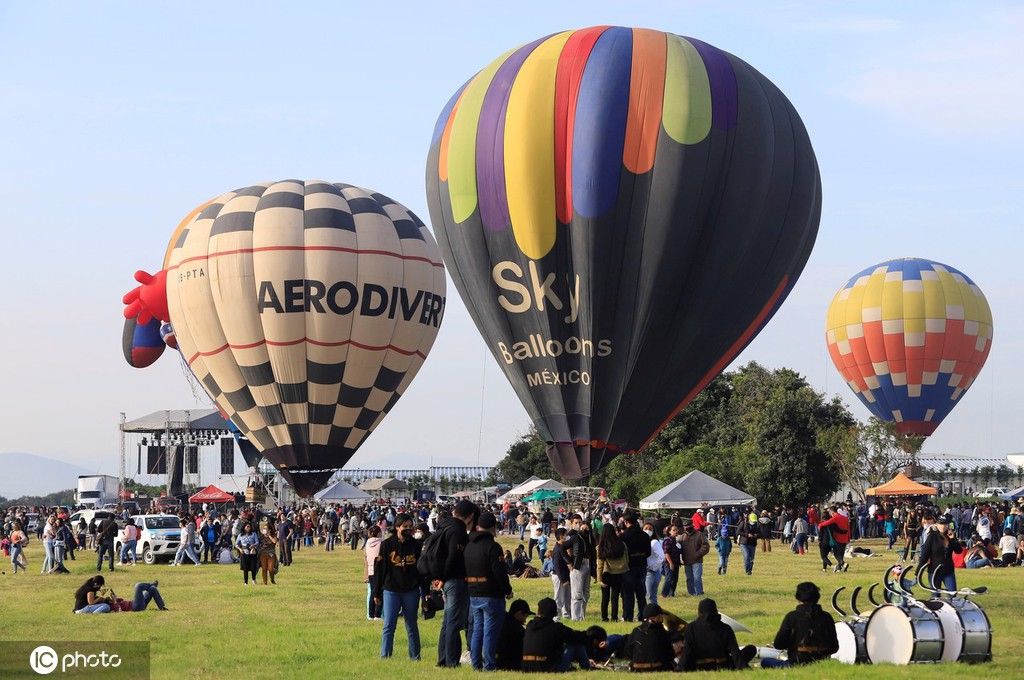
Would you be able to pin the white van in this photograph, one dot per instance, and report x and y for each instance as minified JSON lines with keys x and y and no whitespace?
{"x":159,"y":536}
{"x":88,"y":515}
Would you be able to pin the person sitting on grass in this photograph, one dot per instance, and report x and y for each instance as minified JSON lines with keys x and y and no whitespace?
{"x":550,"y":646}
{"x":709,"y":644}
{"x":808,"y":633}
{"x":649,"y":647}
{"x":603,"y":646}
{"x":93,"y":597}
{"x":510,"y":643}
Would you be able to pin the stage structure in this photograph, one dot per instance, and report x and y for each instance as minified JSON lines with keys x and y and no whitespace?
{"x":170,"y":444}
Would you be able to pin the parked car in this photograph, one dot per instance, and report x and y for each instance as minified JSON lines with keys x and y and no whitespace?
{"x":88,"y":514}
{"x":159,"y":537}
{"x":992,"y":492}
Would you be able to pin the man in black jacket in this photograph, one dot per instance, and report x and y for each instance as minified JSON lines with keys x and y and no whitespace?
{"x":510,"y":645}
{"x":105,"y":540}
{"x":561,"y":577}
{"x":649,"y":647}
{"x":638,"y":545}
{"x":550,"y":646}
{"x":710,"y":645}
{"x":396,"y":586}
{"x":456,"y":596}
{"x":489,"y":587}
{"x":808,"y":633}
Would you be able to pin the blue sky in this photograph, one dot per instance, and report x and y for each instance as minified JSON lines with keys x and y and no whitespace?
{"x":117,"y":119}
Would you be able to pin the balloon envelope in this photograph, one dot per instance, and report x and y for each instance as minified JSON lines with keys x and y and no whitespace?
{"x":622,"y":210}
{"x":909,"y":337}
{"x":305,"y":309}
{"x":141,"y":342}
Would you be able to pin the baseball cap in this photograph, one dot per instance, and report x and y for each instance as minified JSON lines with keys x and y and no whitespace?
{"x":520,"y":606}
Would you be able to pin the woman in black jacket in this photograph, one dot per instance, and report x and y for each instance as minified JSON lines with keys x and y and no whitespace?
{"x":397,"y":586}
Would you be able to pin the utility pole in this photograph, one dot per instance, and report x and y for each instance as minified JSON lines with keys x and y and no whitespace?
{"x":122,"y":471}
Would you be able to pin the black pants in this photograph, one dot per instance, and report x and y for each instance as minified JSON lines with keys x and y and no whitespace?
{"x":107,"y":548}
{"x":839,"y":552}
{"x":634,"y":591}
{"x":911,"y":547}
{"x":611,"y":593}
{"x":249,"y":566}
{"x":531,"y":546}
{"x":286,"y":553}
{"x":209,"y":551}
{"x":824,"y":550}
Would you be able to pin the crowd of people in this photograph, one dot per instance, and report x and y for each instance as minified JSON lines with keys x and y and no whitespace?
{"x":428,"y":559}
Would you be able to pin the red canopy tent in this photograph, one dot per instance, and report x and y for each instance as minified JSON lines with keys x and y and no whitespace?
{"x":211,"y":494}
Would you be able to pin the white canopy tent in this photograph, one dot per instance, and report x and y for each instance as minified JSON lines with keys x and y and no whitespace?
{"x":342,"y":492}
{"x":694,"y":490}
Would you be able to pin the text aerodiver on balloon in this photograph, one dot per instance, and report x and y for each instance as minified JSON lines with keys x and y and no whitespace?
{"x":343,"y":297}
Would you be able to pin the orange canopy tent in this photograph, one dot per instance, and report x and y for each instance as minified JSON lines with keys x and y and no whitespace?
{"x":901,"y":485}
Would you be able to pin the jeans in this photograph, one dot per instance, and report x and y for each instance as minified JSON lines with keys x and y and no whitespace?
{"x":978,"y":562}
{"x":634,"y":591}
{"x":653,"y":578}
{"x":209,"y":551}
{"x":694,"y":578}
{"x":748,"y":550}
{"x":108,"y":549}
{"x":862,"y":527}
{"x":129,"y":547}
{"x":577,"y":653}
{"x":144,"y":592}
{"x":456,"y":618}
{"x":522,"y":532}
{"x":59,"y":550}
{"x":800,"y":543}
{"x":100,"y":608}
{"x":372,"y":608}
{"x":185,"y":548}
{"x":943,"y":580}
{"x":331,"y":537}
{"x":16,"y":557}
{"x":668,"y":587}
{"x":48,"y":561}
{"x":723,"y":562}
{"x":488,"y":616}
{"x":406,"y":603}
{"x":579,"y":580}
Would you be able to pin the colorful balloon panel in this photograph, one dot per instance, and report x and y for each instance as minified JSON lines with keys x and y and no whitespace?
{"x":141,"y":342}
{"x":622,"y":210}
{"x":909,"y":337}
{"x":305,"y":309}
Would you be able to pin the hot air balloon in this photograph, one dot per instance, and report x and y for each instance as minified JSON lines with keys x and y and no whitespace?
{"x":909,"y":337}
{"x":304,"y":309}
{"x":622,"y":210}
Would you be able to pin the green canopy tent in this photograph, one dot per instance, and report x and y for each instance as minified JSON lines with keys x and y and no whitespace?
{"x":542,"y":495}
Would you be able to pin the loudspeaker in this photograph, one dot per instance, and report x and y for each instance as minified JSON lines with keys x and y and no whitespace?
{"x":227,"y":455}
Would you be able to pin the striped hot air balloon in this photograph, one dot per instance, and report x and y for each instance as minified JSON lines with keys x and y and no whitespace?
{"x":305,"y":309}
{"x":909,"y":337}
{"x":622,"y":210}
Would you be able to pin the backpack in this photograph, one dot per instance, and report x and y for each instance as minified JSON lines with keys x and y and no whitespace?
{"x":432,"y":557}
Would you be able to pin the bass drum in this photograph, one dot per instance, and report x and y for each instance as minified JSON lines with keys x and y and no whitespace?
{"x":952,"y":632}
{"x":977,"y":636}
{"x":904,"y":635}
{"x":852,"y":646}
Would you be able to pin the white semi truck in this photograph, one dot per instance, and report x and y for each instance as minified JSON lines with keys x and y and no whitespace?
{"x":95,"y":491}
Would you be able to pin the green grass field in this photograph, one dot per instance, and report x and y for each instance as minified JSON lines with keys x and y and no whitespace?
{"x":313,"y":623}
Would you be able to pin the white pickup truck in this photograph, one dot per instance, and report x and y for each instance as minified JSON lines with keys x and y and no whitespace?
{"x":159,"y":537}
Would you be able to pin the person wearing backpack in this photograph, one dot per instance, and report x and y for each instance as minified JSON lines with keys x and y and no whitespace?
{"x":451,"y":543}
{"x":808,"y":633}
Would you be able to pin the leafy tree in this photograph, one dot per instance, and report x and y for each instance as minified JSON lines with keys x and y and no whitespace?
{"x":866,"y":455}
{"x":525,"y":457}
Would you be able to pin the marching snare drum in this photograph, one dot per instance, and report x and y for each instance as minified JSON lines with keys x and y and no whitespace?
{"x":852,"y":648}
{"x":977,"y":636}
{"x":903,"y":635}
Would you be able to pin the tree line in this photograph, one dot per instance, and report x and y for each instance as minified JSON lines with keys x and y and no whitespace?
{"x":767,"y":432}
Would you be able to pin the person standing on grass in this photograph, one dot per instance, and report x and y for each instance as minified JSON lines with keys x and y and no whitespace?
{"x":370,"y":553}
{"x":248,"y":547}
{"x":578,"y":551}
{"x":49,"y":537}
{"x":105,"y":533}
{"x":129,"y":539}
{"x":560,"y":577}
{"x":695,"y":547}
{"x":634,"y":588}
{"x":210,"y":533}
{"x":612,"y":565}
{"x":839,"y":525}
{"x":396,"y":586}
{"x":285,"y":530}
{"x":655,"y":563}
{"x":267,"y":555}
{"x":672,"y":544}
{"x":764,"y":530}
{"x":454,"y":535}
{"x":724,"y":546}
{"x":187,"y":545}
{"x":18,"y":540}
{"x":489,"y":587}
{"x":800,"y":530}
{"x":746,"y":537}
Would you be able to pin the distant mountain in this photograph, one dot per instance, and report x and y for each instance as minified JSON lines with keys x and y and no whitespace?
{"x":26,"y":474}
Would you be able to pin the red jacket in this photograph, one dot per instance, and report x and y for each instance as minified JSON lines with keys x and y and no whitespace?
{"x":812,"y":515}
{"x":841,"y":528}
{"x":698,"y":522}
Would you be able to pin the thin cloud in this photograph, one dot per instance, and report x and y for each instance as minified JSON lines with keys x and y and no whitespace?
{"x":970,"y":82}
